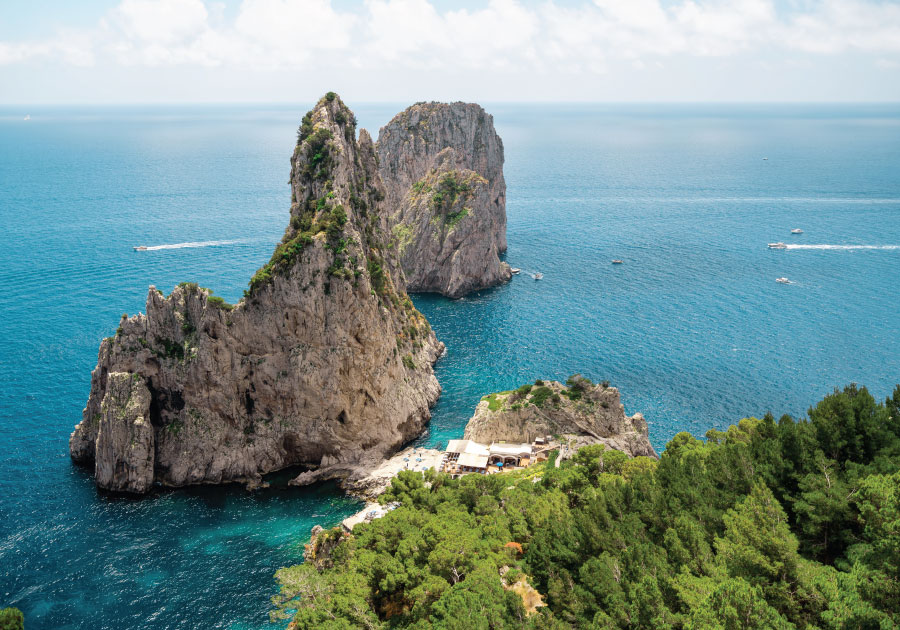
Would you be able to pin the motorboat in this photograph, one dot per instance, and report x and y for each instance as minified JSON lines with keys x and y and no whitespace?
{"x":515,"y":270}
{"x":27,"y":117}
{"x":537,"y":275}
{"x":777,"y":246}
{"x":782,"y":280}
{"x":140,"y":248}
{"x":796,"y":231}
{"x":617,"y":262}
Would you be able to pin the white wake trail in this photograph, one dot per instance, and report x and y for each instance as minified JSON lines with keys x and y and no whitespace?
{"x":191,"y":244}
{"x":843,"y":247}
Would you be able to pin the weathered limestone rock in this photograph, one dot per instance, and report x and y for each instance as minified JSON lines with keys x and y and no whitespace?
{"x":125,"y":441}
{"x":442,"y":165}
{"x":587,"y":413}
{"x":325,"y":363}
{"x":320,"y":548}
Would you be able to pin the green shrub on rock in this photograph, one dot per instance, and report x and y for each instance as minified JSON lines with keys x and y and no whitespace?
{"x":11,"y":619}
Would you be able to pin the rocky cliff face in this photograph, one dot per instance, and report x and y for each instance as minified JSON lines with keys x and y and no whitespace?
{"x":587,"y":413}
{"x":324,"y":363}
{"x":443,"y":169}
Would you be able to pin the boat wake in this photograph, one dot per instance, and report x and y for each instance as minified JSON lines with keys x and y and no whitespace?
{"x":844,"y":247}
{"x":153,"y":248}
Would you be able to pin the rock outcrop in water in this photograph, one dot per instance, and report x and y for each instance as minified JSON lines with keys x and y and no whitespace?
{"x":442,"y":165}
{"x":584,"y":412}
{"x":325,"y":363}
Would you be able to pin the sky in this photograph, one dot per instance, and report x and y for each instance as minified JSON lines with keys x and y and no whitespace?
{"x":272,"y":51}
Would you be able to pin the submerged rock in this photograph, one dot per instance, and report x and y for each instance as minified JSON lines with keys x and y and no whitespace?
{"x":324,"y":363}
{"x":442,"y":165}
{"x":584,"y":412}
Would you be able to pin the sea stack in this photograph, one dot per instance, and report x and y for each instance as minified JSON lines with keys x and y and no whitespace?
{"x":582,"y":412}
{"x":442,"y":164}
{"x":324,"y":363}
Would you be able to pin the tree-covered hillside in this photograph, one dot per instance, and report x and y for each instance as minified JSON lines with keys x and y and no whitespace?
{"x":766,"y":525}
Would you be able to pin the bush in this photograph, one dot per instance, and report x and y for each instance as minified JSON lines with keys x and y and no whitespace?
{"x":408,"y":362}
{"x":539,"y":382}
{"x":377,"y":276}
{"x":447,"y":192}
{"x":540,"y":395}
{"x":11,"y":619}
{"x":453,"y":218}
{"x":219,"y":302}
{"x":317,"y":153}
{"x":306,"y":128}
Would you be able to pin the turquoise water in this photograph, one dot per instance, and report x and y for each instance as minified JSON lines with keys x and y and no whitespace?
{"x":693,"y":328}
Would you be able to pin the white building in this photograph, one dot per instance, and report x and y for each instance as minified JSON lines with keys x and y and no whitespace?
{"x":466,"y":456}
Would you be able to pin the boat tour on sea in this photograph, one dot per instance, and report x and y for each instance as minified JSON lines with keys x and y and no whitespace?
{"x":777,"y":246}
{"x":617,"y":262}
{"x":515,"y":270}
{"x":782,"y":280}
{"x":140,"y":248}
{"x":796,"y":231}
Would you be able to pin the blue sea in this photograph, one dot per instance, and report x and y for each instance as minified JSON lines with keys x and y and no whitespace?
{"x":692,"y":328}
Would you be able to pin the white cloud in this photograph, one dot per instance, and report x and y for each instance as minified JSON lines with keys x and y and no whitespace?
{"x":502,"y":34}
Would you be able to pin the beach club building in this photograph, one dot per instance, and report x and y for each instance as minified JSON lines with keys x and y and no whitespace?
{"x":466,"y":456}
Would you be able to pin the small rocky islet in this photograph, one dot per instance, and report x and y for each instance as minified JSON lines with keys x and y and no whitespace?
{"x":324,"y":363}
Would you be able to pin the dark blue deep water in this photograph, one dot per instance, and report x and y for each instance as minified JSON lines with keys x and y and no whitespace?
{"x":693,"y":328}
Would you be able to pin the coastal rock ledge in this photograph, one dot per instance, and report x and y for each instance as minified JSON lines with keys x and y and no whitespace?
{"x":325,"y":362}
{"x":579,"y":411}
{"x":442,"y":165}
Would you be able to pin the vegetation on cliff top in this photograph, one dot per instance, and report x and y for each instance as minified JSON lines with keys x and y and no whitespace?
{"x":787,"y":524}
{"x":541,"y":394}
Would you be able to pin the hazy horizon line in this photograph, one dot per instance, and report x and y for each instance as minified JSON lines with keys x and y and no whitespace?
{"x":492,"y":102}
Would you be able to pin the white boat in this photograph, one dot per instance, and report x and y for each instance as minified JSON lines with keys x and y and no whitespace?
{"x":782,"y":280}
{"x":515,"y":270}
{"x":765,"y":159}
{"x":777,"y":246}
{"x":27,"y":116}
{"x":796,"y":231}
{"x":617,"y":262}
{"x":140,"y":248}
{"x":537,"y":275}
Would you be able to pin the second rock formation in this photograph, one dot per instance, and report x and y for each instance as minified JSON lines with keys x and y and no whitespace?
{"x":442,"y":164}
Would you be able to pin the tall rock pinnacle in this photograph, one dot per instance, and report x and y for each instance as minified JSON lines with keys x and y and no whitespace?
{"x":324,"y":363}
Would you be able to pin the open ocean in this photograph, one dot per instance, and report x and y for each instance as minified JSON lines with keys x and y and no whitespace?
{"x":692,"y":328}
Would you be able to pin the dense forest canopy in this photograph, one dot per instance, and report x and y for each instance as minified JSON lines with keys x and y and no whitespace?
{"x":770,"y":524}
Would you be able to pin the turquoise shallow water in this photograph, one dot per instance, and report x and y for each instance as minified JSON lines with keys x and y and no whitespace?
{"x":692,"y":328}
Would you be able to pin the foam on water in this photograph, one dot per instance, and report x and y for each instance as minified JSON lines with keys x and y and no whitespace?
{"x":151,"y":248}
{"x":845,"y":247}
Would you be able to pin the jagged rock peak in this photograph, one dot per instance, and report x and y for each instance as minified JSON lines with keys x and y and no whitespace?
{"x":324,"y":363}
{"x":442,"y":166}
{"x":585,"y":412}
